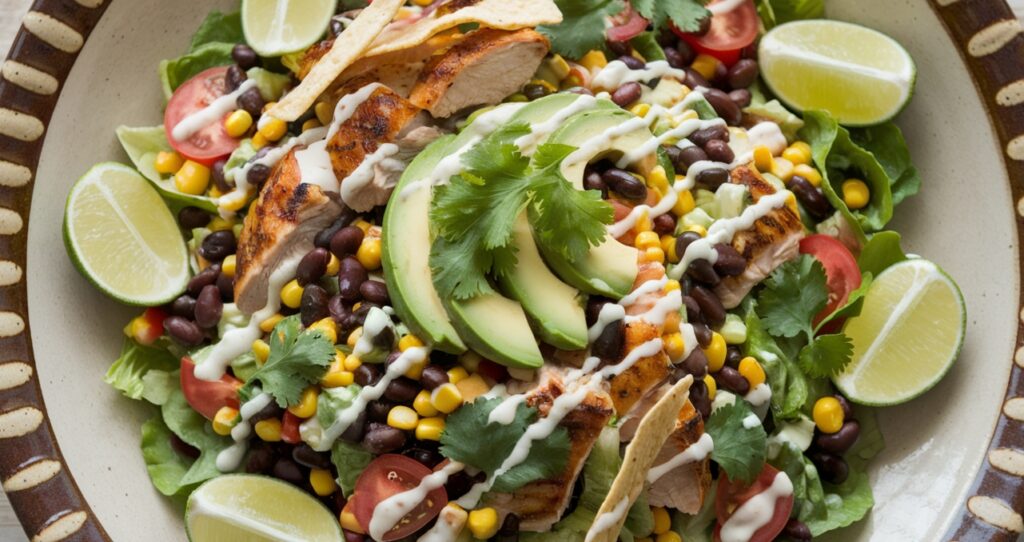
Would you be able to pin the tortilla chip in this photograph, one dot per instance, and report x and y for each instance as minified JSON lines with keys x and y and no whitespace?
{"x":348,"y":48}
{"x":651,"y":435}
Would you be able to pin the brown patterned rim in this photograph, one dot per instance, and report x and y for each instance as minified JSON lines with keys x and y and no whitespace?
{"x":32,"y":470}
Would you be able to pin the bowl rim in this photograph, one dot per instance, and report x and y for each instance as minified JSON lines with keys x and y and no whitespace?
{"x":43,"y":492}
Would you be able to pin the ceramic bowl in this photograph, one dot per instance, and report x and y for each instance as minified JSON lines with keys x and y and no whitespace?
{"x":69,"y":456}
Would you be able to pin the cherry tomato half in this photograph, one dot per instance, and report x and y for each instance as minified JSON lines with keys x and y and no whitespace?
{"x":207,"y":397}
{"x":841,"y":270}
{"x":290,"y":428}
{"x":729,"y":33}
{"x":389,"y":475}
{"x":212,"y":142}
{"x":732,"y":495}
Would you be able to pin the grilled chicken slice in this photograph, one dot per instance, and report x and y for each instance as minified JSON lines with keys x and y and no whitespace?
{"x":540,"y":504}
{"x":684,"y":487}
{"x":281,"y":223}
{"x":483,"y":69}
{"x":773,"y":240}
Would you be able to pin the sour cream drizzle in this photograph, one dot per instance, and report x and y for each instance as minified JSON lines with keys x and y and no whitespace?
{"x":617,"y":73}
{"x":391,"y":510}
{"x":540,"y":132}
{"x":188,"y":126}
{"x":230,"y":458}
{"x":608,"y":519}
{"x":756,"y":512}
{"x":692,"y":454}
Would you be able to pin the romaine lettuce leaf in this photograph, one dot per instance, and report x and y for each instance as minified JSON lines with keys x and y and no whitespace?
{"x":880,"y":252}
{"x":697,"y":527}
{"x":166,"y":467}
{"x":773,"y":110}
{"x":218,"y":27}
{"x":776,"y":12}
{"x":128,"y":372}
{"x":350,"y":460}
{"x":175,"y":71}
{"x":886,"y":143}
{"x":142,"y":145}
{"x":271,"y":85}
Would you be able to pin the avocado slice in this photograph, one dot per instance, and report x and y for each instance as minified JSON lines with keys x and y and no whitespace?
{"x":610,"y":269}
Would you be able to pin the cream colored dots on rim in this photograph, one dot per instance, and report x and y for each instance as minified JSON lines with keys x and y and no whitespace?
{"x":20,"y":422}
{"x":946,"y":2}
{"x":10,"y":273}
{"x":11,"y":324}
{"x":1014,"y":408}
{"x":32,"y":475}
{"x":10,"y":222}
{"x":1015,"y":148}
{"x":90,"y":3}
{"x":14,"y":175}
{"x":1011,"y":94}
{"x":994,"y":37}
{"x":995,"y":512}
{"x":66,"y":524}
{"x":14,"y":374}
{"x":53,"y":32}
{"x":29,"y":78}
{"x":1018,"y":356}
{"x":1007,"y":460}
{"x":20,"y":125}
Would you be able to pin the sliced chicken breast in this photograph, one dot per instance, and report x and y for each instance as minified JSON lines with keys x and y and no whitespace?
{"x":684,"y":487}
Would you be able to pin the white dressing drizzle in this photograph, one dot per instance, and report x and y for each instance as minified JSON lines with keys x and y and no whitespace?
{"x":617,"y":73}
{"x":230,"y":458}
{"x":505,"y":412}
{"x":608,"y":520}
{"x":759,"y":396}
{"x":692,"y":454}
{"x":756,"y":512}
{"x":751,"y":421}
{"x":391,"y":510}
{"x":724,"y":6}
{"x":364,"y":174}
{"x":540,"y":132}
{"x":188,"y":126}
{"x":445,"y":529}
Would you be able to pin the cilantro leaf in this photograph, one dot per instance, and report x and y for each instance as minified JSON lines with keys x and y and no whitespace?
{"x":826,"y":355}
{"x":461,"y":441}
{"x":296,"y":360}
{"x":794,"y":293}
{"x":582,"y":27}
{"x":686,"y":15}
{"x":739,"y":451}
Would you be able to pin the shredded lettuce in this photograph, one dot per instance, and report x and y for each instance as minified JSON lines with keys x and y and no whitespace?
{"x":128,"y":372}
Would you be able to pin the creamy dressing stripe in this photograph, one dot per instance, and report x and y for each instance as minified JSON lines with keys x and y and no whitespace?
{"x":391,"y":510}
{"x":617,"y":73}
{"x":607,"y":520}
{"x":188,"y":126}
{"x":230,"y":458}
{"x":692,"y":454}
{"x":756,"y":512}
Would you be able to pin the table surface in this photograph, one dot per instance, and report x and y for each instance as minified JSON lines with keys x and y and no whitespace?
{"x":11,"y":12}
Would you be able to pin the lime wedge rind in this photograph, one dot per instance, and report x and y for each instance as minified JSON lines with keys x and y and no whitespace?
{"x":278,"y":27}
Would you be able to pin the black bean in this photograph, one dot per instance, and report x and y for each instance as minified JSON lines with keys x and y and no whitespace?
{"x":750,"y":51}
{"x":259,"y":460}
{"x":797,"y":531}
{"x":257,"y":175}
{"x":381,"y":438}
{"x":721,"y":75}
{"x":704,"y":272}
{"x":692,"y":310}
{"x":705,"y":26}
{"x":664,"y":224}
{"x":375,"y":291}
{"x":460,"y":483}
{"x":359,"y":315}
{"x":354,"y":433}
{"x":696,"y":363}
{"x":385,"y":339}
{"x":184,"y":331}
{"x":608,"y":345}
{"x":714,"y":177}
{"x":731,"y":379}
{"x":743,"y":73}
{"x":183,"y":448}
{"x":703,"y":333}
{"x":700,"y":398}
{"x":811,"y":198}
{"x":684,"y":241}
{"x":312,"y":266}
{"x":710,"y":306}
{"x":234,"y":78}
{"x":367,"y":375}
{"x":251,"y":101}
{"x":346,"y":241}
{"x":217,"y":175}
{"x":625,"y":184}
{"x":730,"y":262}
{"x":401,"y":390}
{"x":840,"y":441}
{"x":244,"y":56}
{"x":272,"y":410}
{"x":685,"y":52}
{"x":733,"y":355}
{"x":323,"y":239}
{"x":741,"y":97}
{"x":592,"y":181}
{"x":694,"y":79}
{"x":336,"y":28}
{"x":193,"y":217}
{"x":428,"y":458}
{"x":509,"y":531}
{"x":675,"y":59}
{"x":289,"y":471}
{"x":313,"y":307}
{"x":308,"y":457}
{"x":719,"y":151}
{"x":209,"y":307}
{"x":433,"y":377}
{"x":632,"y":62}
{"x":534,"y":91}
{"x":349,"y":535}
{"x":184,"y":306}
{"x":340,"y":312}
{"x":725,"y":107}
{"x":845,"y":405}
{"x":218,"y":245}
{"x":688,"y":157}
{"x":226,"y":285}
{"x":702,"y":137}
{"x":351,"y":275}
{"x":619,"y":48}
{"x":593,"y":310}
{"x":627,"y":94}
{"x":832,"y":468}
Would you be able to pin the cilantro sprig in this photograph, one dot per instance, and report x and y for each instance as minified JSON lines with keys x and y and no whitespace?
{"x":296,"y":360}
{"x":739,"y":450}
{"x":470,"y":439}
{"x":474,"y":215}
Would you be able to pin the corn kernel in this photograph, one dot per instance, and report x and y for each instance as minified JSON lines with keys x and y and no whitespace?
{"x":168,"y":162}
{"x":654,"y":254}
{"x":856,"y":193}
{"x":337,"y":379}
{"x":363,"y":225}
{"x":646,"y":240}
{"x":416,"y":369}
{"x":311,"y":124}
{"x":353,"y":337}
{"x":430,"y":428}
{"x":483,"y":523}
{"x":422,"y":405}
{"x":594,"y":60}
{"x":809,"y":174}
{"x":662,"y":520}
{"x":828,"y":414}
{"x":799,"y":155}
{"x":712,"y":386}
{"x":684,"y":204}
{"x":658,"y":178}
{"x":409,"y":341}
{"x":705,"y":65}
{"x":291,"y":295}
{"x":698,"y":229}
{"x":273,"y":129}
{"x":546,"y":84}
{"x":238,"y":123}
{"x":752,"y":371}
{"x":192,"y":178}
{"x":369,"y":253}
{"x":472,"y":387}
{"x":446,"y":398}
{"x":783,"y":169}
{"x":349,"y":522}
{"x":327,"y":327}
{"x":267,"y":325}
{"x":333,"y":266}
{"x":324,"y":112}
{"x":269,"y":430}
{"x":470,"y":361}
{"x":220,"y":224}
{"x":258,"y":141}
{"x":763,"y":159}
{"x":227,"y":267}
{"x":674,"y":346}
{"x":323,"y":482}
{"x":669,"y":536}
{"x":352,"y":362}
{"x":306,"y":406}
{"x":672,"y":285}
{"x":403,"y":417}
{"x":224,"y":420}
{"x":644,"y":222}
{"x":715,"y":352}
{"x":673,"y":321}
{"x":455,"y":374}
{"x":640,"y":109}
{"x":261,"y":350}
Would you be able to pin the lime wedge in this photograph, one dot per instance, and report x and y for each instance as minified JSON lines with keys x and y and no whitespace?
{"x":121,"y":236}
{"x":257,"y":508}
{"x":906,"y":337}
{"x":859,"y":75}
{"x":278,"y":27}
